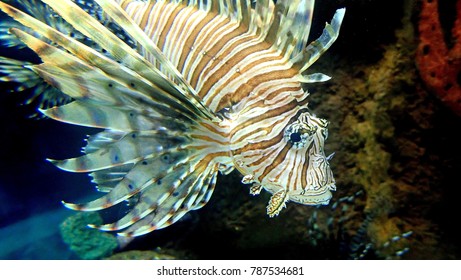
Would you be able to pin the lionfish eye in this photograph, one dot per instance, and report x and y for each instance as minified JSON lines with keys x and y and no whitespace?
{"x":299,"y":134}
{"x":295,"y":137}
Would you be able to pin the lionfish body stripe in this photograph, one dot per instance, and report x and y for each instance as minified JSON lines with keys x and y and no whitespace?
{"x":183,"y":89}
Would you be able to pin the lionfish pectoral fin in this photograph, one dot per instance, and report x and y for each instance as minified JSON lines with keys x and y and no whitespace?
{"x":36,"y":91}
{"x":166,"y":187}
{"x":277,"y":202}
{"x":26,"y":81}
{"x":135,"y":178}
{"x":8,"y":39}
{"x":159,"y":207}
{"x":147,"y":152}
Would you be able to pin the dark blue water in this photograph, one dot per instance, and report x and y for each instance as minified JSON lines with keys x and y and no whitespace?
{"x":30,"y":187}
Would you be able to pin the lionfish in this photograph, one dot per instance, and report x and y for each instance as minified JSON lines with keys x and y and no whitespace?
{"x":183,"y":89}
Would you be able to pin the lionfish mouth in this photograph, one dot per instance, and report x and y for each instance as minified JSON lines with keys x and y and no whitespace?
{"x":321,"y":196}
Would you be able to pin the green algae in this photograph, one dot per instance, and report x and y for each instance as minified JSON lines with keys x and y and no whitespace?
{"x":87,"y":243}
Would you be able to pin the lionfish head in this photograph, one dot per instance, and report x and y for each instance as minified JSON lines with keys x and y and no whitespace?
{"x":293,"y":167}
{"x":307,"y":175}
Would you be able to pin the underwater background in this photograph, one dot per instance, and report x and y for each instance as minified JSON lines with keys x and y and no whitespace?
{"x":397,"y":163}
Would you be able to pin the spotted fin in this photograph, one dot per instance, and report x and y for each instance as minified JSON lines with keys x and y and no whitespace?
{"x":166,"y":200}
{"x":143,"y":174}
{"x":39,"y":94}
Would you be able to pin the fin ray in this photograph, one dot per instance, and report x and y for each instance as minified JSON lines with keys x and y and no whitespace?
{"x":107,"y":40}
{"x":132,"y":147}
{"x":59,"y":69}
{"x":315,"y":49}
{"x":115,"y":118}
{"x":175,"y":205}
{"x":143,"y":175}
{"x":171,"y":188}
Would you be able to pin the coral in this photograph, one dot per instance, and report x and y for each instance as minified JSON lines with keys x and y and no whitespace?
{"x":439,"y":65}
{"x":87,"y":243}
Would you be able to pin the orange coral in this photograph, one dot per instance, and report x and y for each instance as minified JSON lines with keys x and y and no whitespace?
{"x":440,"y":66}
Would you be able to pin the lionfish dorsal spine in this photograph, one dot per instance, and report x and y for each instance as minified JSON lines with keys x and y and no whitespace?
{"x":120,"y":17}
{"x":110,"y":42}
{"x":314,"y":50}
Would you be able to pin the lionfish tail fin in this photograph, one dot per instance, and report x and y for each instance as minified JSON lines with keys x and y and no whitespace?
{"x":158,"y":146}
